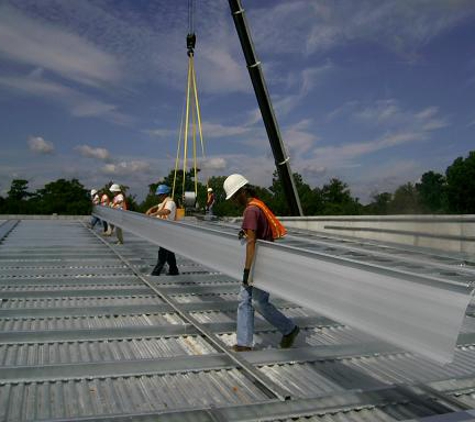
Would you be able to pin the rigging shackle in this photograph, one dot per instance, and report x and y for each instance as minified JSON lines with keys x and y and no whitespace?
{"x":190,"y":43}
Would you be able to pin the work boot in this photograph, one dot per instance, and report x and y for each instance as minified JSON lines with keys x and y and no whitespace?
{"x":239,"y":348}
{"x":288,"y":340}
{"x":157,"y":270}
{"x":173,"y":271}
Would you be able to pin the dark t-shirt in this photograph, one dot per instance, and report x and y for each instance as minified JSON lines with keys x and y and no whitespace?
{"x":254,"y":219}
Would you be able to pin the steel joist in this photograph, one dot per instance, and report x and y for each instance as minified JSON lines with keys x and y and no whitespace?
{"x":421,"y":314}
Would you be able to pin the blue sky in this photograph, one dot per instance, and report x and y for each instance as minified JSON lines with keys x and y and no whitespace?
{"x":374,"y":92}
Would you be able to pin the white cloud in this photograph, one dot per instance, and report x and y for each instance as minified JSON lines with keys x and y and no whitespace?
{"x":90,"y":152}
{"x":427,"y":113}
{"x":127,"y":168}
{"x":402,"y":26}
{"x":161,"y":133}
{"x":39,"y":43}
{"x":39,"y":145}
{"x":299,"y":138}
{"x":314,"y":170}
{"x":307,"y":79}
{"x":381,"y":112}
{"x":389,"y":115}
{"x":396,"y":127}
{"x":312,"y":76}
{"x":337,"y":156}
{"x":92,"y":108}
{"x":79,"y":105}
{"x":217,"y":130}
{"x":287,"y":24}
{"x":214,"y":163}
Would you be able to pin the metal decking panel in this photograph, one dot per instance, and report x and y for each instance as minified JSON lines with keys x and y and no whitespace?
{"x":103,"y":345}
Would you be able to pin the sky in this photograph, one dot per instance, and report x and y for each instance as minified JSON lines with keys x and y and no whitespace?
{"x":373,"y":92}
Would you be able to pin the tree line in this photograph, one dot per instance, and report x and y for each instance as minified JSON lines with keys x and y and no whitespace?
{"x":435,"y":193}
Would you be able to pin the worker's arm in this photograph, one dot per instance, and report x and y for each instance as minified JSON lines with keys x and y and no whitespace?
{"x":151,"y":210}
{"x":158,"y":213}
{"x":250,"y":250}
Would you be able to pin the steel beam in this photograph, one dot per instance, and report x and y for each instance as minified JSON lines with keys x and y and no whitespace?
{"x":165,"y":330}
{"x":131,"y":368}
{"x":421,"y":314}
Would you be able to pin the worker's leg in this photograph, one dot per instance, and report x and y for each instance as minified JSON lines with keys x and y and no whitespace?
{"x":105,"y":226}
{"x":109,"y":231}
{"x":120,"y":236}
{"x":271,"y":313}
{"x":171,"y":261}
{"x":245,"y":318}
{"x":162,"y":258}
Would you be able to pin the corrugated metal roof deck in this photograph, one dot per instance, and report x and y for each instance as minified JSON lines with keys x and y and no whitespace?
{"x":86,"y":333}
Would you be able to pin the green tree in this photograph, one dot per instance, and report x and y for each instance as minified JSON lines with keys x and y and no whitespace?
{"x":432,"y":191}
{"x":405,"y":200}
{"x":380,"y":203}
{"x":222,"y":207}
{"x":337,"y":199}
{"x":310,"y":200}
{"x":17,"y":199}
{"x":461,"y":185}
{"x":18,"y":190}
{"x":63,"y":197}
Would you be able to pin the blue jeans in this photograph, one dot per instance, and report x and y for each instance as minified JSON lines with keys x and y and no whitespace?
{"x":245,"y":315}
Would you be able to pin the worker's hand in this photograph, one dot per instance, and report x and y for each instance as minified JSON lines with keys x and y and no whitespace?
{"x":245,"y":276}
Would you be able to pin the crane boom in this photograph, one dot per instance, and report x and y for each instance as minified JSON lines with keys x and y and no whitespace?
{"x":273,"y":133}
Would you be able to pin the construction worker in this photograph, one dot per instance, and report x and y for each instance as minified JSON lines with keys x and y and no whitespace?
{"x":210,"y":200}
{"x":118,"y":202}
{"x":165,"y":210}
{"x":95,"y":201}
{"x":105,"y":201}
{"x":258,"y":223}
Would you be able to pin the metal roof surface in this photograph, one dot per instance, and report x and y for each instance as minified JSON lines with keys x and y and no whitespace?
{"x":86,"y":333}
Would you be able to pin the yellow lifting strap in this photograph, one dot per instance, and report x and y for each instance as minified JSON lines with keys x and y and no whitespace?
{"x":191,"y":104}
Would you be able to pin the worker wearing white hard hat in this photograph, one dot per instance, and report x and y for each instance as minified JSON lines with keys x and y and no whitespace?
{"x":95,"y":201}
{"x":118,"y":202}
{"x":104,"y":201}
{"x":258,"y":223}
{"x":210,"y":201}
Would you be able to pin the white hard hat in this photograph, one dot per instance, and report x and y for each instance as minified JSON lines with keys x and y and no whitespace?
{"x":233,"y":183}
{"x":115,"y":188}
{"x":210,"y":190}
{"x":93,"y":192}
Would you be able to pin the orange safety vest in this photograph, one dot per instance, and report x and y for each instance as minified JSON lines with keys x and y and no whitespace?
{"x":278,"y":229}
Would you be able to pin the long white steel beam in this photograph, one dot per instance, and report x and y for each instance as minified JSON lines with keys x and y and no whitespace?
{"x":419,"y":314}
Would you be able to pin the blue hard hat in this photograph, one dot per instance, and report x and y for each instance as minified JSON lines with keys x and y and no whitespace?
{"x":162,"y":190}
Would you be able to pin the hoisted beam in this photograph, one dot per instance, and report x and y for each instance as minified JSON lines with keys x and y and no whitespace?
{"x":421,"y":314}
